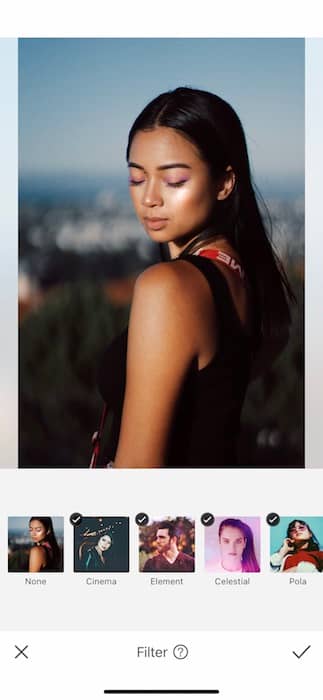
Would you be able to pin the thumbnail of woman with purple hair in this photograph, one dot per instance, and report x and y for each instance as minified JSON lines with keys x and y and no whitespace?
{"x":236,"y":548}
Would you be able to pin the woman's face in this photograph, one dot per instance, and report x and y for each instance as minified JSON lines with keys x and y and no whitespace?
{"x":37,"y":531}
{"x":104,"y":543}
{"x":232,"y":544}
{"x":171,"y":187}
{"x":300,"y":532}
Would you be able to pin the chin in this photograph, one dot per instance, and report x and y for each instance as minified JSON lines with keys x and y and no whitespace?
{"x":158,"y":236}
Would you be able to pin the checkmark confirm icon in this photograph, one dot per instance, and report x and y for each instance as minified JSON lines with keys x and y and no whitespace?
{"x":299,"y":656}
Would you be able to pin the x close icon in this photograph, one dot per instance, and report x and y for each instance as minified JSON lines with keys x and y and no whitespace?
{"x":21,"y":652}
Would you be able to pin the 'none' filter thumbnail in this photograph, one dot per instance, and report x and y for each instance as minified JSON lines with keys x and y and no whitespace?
{"x":35,"y":544}
{"x":232,"y":545}
{"x":296,"y":545}
{"x":167,"y":545}
{"x":102,"y":544}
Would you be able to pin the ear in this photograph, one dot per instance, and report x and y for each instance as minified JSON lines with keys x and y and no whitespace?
{"x":226,"y":184}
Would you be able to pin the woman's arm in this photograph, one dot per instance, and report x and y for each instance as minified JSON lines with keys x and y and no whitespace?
{"x":37,"y":559}
{"x":277,"y":559}
{"x":162,"y":343}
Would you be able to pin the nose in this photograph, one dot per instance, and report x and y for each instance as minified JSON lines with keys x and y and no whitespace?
{"x":152,"y":195}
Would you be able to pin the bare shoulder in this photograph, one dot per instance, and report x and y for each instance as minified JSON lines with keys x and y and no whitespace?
{"x":164,"y":274}
{"x":165,"y":280}
{"x":173,"y":301}
{"x":166,"y":308}
{"x":37,"y":555}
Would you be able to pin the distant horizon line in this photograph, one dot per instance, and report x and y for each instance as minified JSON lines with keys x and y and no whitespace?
{"x":119,"y":173}
{"x":32,"y":181}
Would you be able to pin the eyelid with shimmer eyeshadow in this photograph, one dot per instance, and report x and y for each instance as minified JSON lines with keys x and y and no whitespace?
{"x":178,"y":183}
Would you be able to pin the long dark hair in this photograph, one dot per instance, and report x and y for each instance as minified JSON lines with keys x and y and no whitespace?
{"x":214,"y":128}
{"x":54,"y":559}
{"x":313,"y":543}
{"x":249,"y":559}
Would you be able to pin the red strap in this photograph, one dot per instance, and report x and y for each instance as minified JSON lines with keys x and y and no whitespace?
{"x":225,"y":258}
{"x":96,"y":440}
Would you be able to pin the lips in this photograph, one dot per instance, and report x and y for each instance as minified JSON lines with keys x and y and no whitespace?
{"x":155,"y":223}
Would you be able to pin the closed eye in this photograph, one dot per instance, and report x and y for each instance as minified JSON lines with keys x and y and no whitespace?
{"x":135,"y":182}
{"x":176,"y":184}
{"x":169,"y":184}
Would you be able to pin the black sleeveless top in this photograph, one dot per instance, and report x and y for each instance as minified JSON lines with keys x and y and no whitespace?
{"x":206,"y":423}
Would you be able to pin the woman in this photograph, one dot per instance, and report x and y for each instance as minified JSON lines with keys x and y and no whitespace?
{"x":236,"y":545}
{"x":214,"y":312}
{"x":45,"y":554}
{"x":94,"y":557}
{"x":300,"y":550}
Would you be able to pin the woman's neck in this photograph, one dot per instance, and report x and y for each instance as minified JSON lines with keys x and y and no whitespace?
{"x":213,"y":241}
{"x":300,"y":545}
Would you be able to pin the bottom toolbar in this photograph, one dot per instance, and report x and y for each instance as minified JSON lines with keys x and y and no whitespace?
{"x":89,"y":665}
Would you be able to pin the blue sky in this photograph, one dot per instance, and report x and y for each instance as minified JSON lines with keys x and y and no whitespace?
{"x":79,"y":97}
{"x":21,"y":523}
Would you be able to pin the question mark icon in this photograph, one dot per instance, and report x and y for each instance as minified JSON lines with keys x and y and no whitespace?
{"x":180,"y":651}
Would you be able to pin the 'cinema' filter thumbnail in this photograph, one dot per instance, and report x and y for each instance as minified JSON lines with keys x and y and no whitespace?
{"x":167,"y":545}
{"x":101,"y":544}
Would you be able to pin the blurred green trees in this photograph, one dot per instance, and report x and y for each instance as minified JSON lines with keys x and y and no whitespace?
{"x":60,"y":347}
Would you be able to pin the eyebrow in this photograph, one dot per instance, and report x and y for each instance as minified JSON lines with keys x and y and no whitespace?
{"x":131,"y":164}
